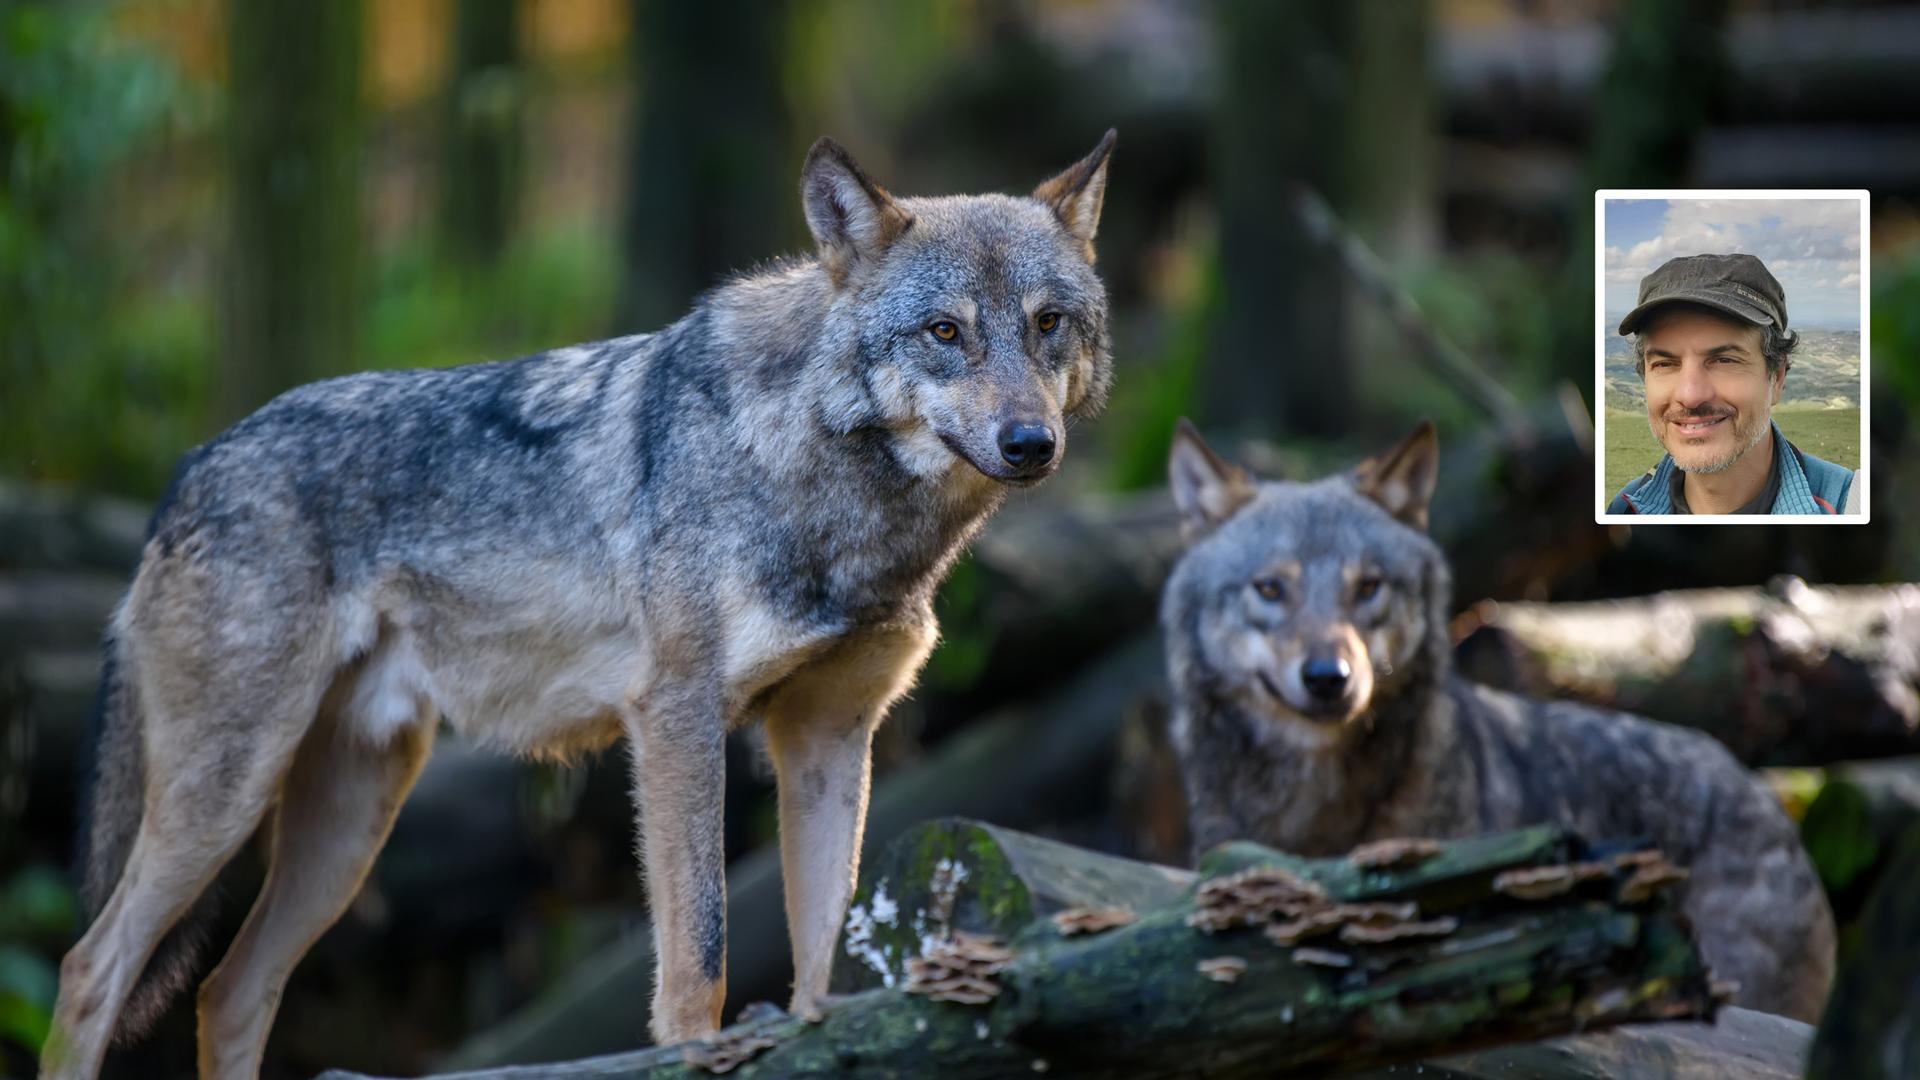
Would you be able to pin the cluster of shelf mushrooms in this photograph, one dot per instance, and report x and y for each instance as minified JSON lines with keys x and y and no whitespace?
{"x":1648,"y":872}
{"x":1291,"y":910}
{"x":961,"y":969}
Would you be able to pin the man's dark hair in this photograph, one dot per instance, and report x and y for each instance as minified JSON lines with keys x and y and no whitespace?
{"x":1776,"y":346}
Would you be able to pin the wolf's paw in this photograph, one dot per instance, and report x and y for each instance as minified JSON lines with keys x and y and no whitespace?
{"x":816,"y":1009}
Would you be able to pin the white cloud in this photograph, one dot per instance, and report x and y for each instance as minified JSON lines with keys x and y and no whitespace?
{"x":1811,"y":245}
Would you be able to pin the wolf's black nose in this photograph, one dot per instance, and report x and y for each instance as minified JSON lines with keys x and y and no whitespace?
{"x":1325,"y":677}
{"x":1026,"y":446}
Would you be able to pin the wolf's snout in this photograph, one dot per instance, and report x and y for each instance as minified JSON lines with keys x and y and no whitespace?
{"x":1026,"y":445}
{"x":1325,"y":677}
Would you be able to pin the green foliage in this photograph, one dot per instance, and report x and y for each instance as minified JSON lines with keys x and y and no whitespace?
{"x":1490,"y":304}
{"x":1146,"y":402}
{"x":966,"y":635}
{"x":37,"y":914}
{"x":1839,"y":835}
{"x":552,"y":288}
{"x":1896,"y":328}
{"x":93,"y":376}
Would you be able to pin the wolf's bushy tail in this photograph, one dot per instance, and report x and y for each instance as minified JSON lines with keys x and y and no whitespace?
{"x":112,"y":798}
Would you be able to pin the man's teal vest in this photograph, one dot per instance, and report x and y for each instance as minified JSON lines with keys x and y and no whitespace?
{"x":1807,"y":485}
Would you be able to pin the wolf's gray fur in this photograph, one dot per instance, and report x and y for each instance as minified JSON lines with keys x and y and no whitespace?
{"x":1285,"y":582}
{"x":742,"y":516}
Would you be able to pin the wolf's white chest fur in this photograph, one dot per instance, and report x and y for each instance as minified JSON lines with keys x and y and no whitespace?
{"x":536,"y":662}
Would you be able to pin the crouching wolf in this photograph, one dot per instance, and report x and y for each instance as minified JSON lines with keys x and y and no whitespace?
{"x":742,"y":516}
{"x":1306,"y":636}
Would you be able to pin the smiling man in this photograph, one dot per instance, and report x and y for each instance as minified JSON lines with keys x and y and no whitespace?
{"x":1712,"y":347}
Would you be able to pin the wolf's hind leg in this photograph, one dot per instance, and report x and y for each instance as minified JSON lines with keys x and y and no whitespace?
{"x":204,"y":797}
{"x":820,"y":733}
{"x":336,"y":809}
{"x":679,"y":773}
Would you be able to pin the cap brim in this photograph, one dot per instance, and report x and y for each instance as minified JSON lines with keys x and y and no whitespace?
{"x":1719,"y":301}
{"x":1732,"y":306}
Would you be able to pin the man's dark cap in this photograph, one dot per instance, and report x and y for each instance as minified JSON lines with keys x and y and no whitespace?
{"x":1739,"y":285}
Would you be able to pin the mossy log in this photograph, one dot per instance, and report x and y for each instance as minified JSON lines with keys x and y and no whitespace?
{"x":1871,"y":1027}
{"x":1138,"y":1000}
{"x":1789,"y":675}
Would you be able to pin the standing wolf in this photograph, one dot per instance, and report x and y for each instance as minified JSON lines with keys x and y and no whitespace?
{"x":1306,"y":631}
{"x":744,"y":515}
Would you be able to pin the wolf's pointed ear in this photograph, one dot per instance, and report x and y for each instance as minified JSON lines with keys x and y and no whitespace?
{"x":1207,"y":489}
{"x":1401,"y":480}
{"x":1075,"y":196}
{"x":853,"y":219}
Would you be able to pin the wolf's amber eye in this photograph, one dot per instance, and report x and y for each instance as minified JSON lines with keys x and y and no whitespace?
{"x":1047,"y":321}
{"x":944,"y":330}
{"x":1270,"y":588}
{"x":1367,"y":588}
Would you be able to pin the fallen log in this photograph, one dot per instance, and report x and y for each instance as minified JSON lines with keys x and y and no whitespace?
{"x":1788,"y":675}
{"x":982,"y":878}
{"x":1202,"y":986}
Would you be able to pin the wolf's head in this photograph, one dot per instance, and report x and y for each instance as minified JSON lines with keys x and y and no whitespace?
{"x":978,"y":321}
{"x":1309,"y":605}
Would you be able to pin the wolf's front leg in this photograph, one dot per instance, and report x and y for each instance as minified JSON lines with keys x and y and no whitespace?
{"x":679,"y":736}
{"x":819,"y":731}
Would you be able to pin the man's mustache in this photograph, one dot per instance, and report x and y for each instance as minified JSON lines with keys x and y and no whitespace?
{"x":1705,"y":412}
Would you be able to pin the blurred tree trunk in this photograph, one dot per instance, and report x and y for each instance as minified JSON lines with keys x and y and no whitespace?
{"x":713,"y":184}
{"x":1664,"y":81}
{"x":480,"y":165}
{"x":1336,"y":97}
{"x":1279,"y":357}
{"x":294,"y":141}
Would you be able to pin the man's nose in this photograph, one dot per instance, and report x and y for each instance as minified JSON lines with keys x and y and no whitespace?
{"x":1694,"y":388}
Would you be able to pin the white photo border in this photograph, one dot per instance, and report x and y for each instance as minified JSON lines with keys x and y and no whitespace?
{"x":1601,"y":333}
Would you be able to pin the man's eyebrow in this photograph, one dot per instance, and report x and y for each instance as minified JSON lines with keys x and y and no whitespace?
{"x":1717,"y":350}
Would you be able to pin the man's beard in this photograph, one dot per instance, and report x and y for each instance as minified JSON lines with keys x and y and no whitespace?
{"x":1747,"y":433}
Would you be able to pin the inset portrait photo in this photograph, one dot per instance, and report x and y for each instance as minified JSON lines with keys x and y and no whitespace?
{"x":1730,"y":374}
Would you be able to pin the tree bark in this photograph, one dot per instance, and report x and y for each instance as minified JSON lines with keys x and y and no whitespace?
{"x":295,"y":191}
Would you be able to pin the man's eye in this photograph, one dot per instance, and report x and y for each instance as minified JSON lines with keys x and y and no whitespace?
{"x":944,"y":330}
{"x":1047,"y":321}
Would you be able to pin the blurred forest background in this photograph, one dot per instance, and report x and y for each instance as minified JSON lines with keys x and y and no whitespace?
{"x":1325,"y":222}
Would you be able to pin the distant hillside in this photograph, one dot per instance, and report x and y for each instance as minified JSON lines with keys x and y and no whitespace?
{"x":1826,"y":371}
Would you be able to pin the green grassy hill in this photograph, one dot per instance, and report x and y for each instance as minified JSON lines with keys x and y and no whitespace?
{"x":1830,"y":434}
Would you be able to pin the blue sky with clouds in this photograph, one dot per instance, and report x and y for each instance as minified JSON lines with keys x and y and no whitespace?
{"x":1811,"y":245}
